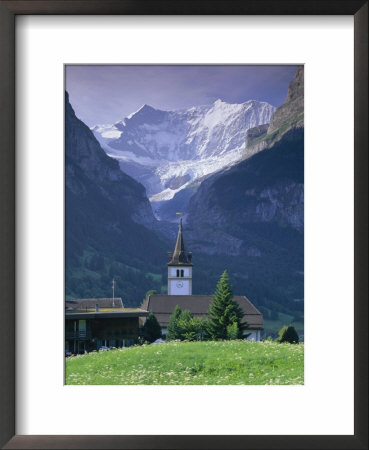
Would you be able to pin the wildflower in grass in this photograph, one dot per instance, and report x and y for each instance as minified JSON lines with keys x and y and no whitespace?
{"x":222,"y":362}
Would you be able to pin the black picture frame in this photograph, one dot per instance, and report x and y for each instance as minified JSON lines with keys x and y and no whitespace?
{"x":8,"y":12}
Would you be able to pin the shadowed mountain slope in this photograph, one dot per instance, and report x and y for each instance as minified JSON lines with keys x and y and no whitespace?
{"x":107,"y":221}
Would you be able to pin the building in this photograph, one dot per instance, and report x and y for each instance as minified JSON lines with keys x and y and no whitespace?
{"x":162,"y":307}
{"x":180,"y":293}
{"x":93,"y":323}
{"x":180,"y":268}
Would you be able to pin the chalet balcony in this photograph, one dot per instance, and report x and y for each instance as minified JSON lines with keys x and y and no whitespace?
{"x":81,"y":334}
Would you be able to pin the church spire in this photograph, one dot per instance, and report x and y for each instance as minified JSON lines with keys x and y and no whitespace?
{"x":180,"y":256}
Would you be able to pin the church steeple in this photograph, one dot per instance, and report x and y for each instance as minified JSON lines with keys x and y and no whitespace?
{"x":180,"y":256}
{"x":180,"y":267}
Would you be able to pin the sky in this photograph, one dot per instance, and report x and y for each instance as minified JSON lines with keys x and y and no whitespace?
{"x":105,"y":94}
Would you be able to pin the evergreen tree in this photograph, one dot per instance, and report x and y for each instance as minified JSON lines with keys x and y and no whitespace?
{"x":173,"y":327}
{"x":152,"y":328}
{"x":183,"y":326}
{"x":151,"y":292}
{"x":232,"y":331}
{"x":288,"y":334}
{"x":189,"y":328}
{"x":224,"y":312}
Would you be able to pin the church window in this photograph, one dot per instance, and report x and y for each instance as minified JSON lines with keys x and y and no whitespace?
{"x":182,"y":273}
{"x":177,"y":273}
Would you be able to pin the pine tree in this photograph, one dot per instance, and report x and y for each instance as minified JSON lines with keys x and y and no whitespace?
{"x":232,"y":331}
{"x":190,"y":328}
{"x":224,"y":312}
{"x":173,"y":327}
{"x":152,"y":328}
{"x":151,"y":292}
{"x":288,"y":334}
{"x":183,"y":326}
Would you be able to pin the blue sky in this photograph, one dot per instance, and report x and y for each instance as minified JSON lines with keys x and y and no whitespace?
{"x":102,"y":94}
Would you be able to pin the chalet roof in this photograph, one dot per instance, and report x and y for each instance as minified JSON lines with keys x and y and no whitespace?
{"x":163,"y":305}
{"x":90,"y":303}
{"x":106,"y":313}
{"x":180,"y":256}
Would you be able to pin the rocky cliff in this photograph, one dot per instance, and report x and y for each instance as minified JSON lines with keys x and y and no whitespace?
{"x":291,"y":113}
{"x":86,"y":164}
{"x":109,"y":222}
{"x":288,"y":118}
{"x":268,"y":187}
{"x":250,"y":220}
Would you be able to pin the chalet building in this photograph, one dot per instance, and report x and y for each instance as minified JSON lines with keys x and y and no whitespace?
{"x":93,"y":323}
{"x":180,"y":293}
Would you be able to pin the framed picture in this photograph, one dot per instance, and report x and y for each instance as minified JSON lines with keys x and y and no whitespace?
{"x":38,"y":410}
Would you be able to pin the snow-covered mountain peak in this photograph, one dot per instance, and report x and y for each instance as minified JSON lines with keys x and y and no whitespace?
{"x":141,"y":110}
{"x":145,"y":108}
{"x":167,"y":150}
{"x":218,"y":101}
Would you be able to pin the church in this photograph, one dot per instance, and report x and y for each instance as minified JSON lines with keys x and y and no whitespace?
{"x":180,"y":293}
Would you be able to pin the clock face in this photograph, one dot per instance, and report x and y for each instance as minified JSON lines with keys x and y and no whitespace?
{"x":179,"y":284}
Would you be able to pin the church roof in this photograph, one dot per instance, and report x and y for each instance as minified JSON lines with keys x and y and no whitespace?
{"x":180,"y":256}
{"x":163,"y":305}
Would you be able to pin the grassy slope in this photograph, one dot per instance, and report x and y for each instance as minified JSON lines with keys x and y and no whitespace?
{"x":179,"y":363}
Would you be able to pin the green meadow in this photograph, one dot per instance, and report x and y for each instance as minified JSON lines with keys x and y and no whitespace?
{"x":191,"y":363}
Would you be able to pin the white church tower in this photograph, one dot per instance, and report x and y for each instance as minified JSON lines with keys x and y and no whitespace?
{"x":180,"y":268}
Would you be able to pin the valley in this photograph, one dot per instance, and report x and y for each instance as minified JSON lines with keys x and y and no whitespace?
{"x":235,"y":171}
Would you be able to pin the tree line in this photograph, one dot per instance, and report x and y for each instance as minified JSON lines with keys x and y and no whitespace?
{"x":224,"y":321}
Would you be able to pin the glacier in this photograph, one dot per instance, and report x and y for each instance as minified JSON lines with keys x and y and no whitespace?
{"x":169,"y":150}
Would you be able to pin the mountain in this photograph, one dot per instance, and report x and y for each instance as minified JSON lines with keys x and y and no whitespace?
{"x":288,"y":118}
{"x":249,"y":218}
{"x":109,"y":223}
{"x":246,"y":216}
{"x":266,"y":188}
{"x":168,"y":151}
